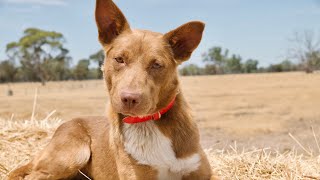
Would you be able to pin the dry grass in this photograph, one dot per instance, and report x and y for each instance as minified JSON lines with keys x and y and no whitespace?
{"x":279,"y":111}
{"x":264,"y":164}
{"x":20,"y":140}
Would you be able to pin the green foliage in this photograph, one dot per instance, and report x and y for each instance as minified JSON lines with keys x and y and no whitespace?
{"x":218,"y":57}
{"x":41,"y":56}
{"x":287,"y":65}
{"x":218,"y":61}
{"x":94,"y":74}
{"x":194,"y":70}
{"x":284,"y":66}
{"x":210,"y":69}
{"x":313,"y":60}
{"x":250,"y":66}
{"x":233,"y":64}
{"x":7,"y":71}
{"x":98,"y":59}
{"x":306,"y":49}
{"x":81,"y":71}
{"x":191,"y":70}
{"x":223,"y":63}
{"x":40,"y":53}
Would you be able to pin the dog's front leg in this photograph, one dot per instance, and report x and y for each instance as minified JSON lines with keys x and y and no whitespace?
{"x":204,"y":171}
{"x":68,"y":151}
{"x":128,"y":169}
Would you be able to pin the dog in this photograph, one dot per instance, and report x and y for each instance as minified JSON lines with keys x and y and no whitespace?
{"x":149,"y":132}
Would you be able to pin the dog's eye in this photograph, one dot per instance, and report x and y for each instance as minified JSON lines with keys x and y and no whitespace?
{"x":156,"y":65}
{"x":119,"y":59}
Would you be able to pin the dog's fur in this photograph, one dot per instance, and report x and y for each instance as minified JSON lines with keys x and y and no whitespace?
{"x":139,"y":65}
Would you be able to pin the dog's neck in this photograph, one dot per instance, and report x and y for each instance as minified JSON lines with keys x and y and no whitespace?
{"x":177,"y":120}
{"x":176,"y":111}
{"x":154,"y":116}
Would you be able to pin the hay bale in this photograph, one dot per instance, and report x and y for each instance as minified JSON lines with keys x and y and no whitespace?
{"x":20,"y":140}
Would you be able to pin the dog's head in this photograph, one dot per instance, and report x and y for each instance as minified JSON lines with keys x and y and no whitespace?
{"x":140,"y":67}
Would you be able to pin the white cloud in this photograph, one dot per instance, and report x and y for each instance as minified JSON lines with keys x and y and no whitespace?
{"x":38,"y":2}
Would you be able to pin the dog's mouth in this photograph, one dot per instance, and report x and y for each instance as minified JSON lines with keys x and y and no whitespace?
{"x":137,"y":112}
{"x":129,"y":113}
{"x":133,"y":113}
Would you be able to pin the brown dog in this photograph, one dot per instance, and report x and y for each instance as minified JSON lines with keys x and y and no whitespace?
{"x":149,"y":132}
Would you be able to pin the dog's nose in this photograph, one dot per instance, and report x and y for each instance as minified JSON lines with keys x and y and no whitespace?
{"x":130,"y":100}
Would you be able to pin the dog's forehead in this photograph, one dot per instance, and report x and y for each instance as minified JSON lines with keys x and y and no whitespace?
{"x":140,"y":40}
{"x":139,"y":32}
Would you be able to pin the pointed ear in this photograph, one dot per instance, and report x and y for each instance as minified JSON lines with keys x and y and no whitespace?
{"x":110,"y":21}
{"x":185,"y":39}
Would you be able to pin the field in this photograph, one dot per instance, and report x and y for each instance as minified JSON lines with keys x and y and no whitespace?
{"x":252,"y":126}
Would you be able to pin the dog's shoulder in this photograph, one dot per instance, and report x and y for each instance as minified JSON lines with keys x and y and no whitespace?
{"x":90,"y":120}
{"x":91,"y":125}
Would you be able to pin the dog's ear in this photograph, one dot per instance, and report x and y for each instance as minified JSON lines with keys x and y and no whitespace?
{"x":185,"y":39}
{"x":110,"y":21}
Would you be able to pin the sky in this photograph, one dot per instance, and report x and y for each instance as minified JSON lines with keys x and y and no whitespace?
{"x":253,"y":29}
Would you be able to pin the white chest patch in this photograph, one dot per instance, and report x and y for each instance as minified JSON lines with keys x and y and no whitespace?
{"x":145,"y":143}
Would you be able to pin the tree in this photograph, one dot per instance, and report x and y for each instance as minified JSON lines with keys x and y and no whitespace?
{"x":306,"y":49}
{"x":233,"y":64}
{"x":283,"y":66}
{"x":287,"y":65}
{"x":250,"y":66}
{"x":94,"y":74}
{"x":81,"y":71}
{"x":313,"y":60}
{"x":7,"y":71}
{"x":275,"y":68}
{"x":191,"y":70}
{"x":98,"y":58}
{"x":218,"y":57}
{"x":210,"y":69}
{"x":36,"y":51}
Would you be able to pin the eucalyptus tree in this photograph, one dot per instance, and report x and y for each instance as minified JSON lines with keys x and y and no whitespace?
{"x":41,"y":54}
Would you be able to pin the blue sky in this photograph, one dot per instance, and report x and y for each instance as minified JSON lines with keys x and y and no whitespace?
{"x":251,"y":28}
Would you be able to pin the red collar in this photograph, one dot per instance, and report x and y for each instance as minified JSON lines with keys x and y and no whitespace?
{"x":155,"y":116}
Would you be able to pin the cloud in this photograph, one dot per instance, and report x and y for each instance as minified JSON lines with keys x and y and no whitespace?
{"x":38,"y":2}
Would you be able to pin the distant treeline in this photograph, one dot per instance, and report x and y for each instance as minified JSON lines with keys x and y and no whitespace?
{"x":41,"y":56}
{"x":218,"y":61}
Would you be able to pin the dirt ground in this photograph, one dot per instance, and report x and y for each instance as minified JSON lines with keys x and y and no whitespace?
{"x":254,"y":110}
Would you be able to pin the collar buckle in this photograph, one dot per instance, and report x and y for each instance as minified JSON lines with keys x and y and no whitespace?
{"x":156,"y":116}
